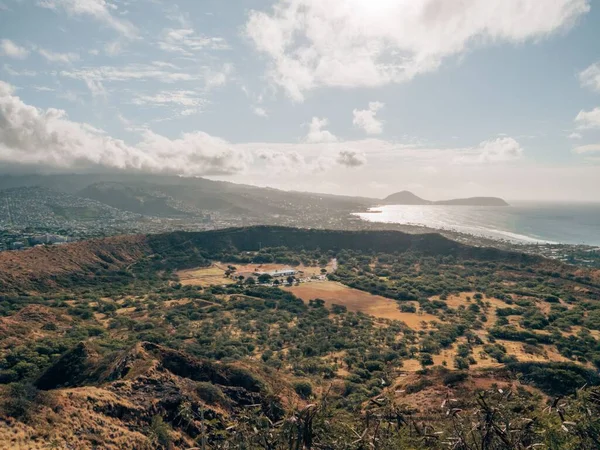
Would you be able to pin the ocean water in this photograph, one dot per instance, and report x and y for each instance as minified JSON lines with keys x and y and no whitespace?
{"x":520,"y":222}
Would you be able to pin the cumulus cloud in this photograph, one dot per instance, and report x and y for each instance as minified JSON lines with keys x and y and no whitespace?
{"x":590,"y":77}
{"x":280,"y":161}
{"x":503,"y":149}
{"x":588,"y":119}
{"x":357,"y":43}
{"x":12,"y":50}
{"x":65,"y":58}
{"x":366,"y":120}
{"x":351,"y":158}
{"x":100,"y":10}
{"x":30,"y":136}
{"x":305,"y":159}
{"x":316,"y":133}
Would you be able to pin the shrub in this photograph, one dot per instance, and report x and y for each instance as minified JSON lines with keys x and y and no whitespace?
{"x":453,"y":378}
{"x":303,"y":389}
{"x":418,"y":386}
{"x":426,"y":359}
{"x":159,"y":432}
{"x":408,"y":308}
{"x":210,"y":393}
{"x":556,"y":378}
{"x":461,"y":363}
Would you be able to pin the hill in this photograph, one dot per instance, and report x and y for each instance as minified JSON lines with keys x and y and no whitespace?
{"x":173,"y":196}
{"x":93,"y":205}
{"x":412,"y":340}
{"x":474,"y":201}
{"x":408,"y":198}
{"x":405,"y":198}
{"x":44,"y":268}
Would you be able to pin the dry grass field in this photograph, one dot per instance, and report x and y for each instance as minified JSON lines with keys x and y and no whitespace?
{"x":215,"y":274}
{"x":205,"y":276}
{"x":302,"y":270}
{"x":358,"y":301}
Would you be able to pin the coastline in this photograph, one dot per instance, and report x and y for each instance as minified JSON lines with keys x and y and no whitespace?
{"x":577,"y":254}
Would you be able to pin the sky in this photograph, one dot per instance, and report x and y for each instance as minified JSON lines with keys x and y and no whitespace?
{"x":446,"y":98}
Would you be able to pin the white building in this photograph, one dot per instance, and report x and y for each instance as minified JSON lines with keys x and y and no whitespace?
{"x":283,"y":273}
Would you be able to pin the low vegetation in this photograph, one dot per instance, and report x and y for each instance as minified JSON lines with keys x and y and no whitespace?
{"x":130,"y":346}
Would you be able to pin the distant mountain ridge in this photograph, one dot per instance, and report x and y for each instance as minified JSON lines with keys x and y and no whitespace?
{"x":408,"y":198}
{"x":176,"y":197}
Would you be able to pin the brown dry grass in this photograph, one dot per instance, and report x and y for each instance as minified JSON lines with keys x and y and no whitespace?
{"x":80,"y":424}
{"x":215,"y":274}
{"x":41,"y":265}
{"x":457,"y":300}
{"x":358,"y":301}
{"x":205,"y":276}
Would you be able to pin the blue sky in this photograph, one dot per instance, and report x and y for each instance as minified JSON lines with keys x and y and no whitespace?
{"x":356,"y":97}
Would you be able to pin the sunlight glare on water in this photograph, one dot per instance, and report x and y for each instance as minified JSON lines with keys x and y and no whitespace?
{"x":523,"y":222}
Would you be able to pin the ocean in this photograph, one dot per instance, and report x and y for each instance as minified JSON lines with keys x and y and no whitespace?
{"x":526,"y":222}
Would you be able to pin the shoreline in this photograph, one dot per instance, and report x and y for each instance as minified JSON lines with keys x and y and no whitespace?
{"x":497,"y":229}
{"x":578,"y":254}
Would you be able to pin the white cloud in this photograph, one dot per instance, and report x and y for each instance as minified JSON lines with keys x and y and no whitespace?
{"x":352,"y":43}
{"x":590,"y":77}
{"x":302,"y":159}
{"x":189,"y":102}
{"x":99,"y":10}
{"x":186,"y":42}
{"x":97,"y":76}
{"x":583,"y":149}
{"x":217,"y":78}
{"x":366,"y":120}
{"x":575,"y":135}
{"x":588,"y":119}
{"x":43,"y":89}
{"x":129,"y":72}
{"x":18,"y":73}
{"x":12,"y":50}
{"x":281,"y":161}
{"x":34,"y":137}
{"x":351,"y":158}
{"x":261,"y":112}
{"x":96,"y":88}
{"x":113,"y":48}
{"x":70,"y":96}
{"x":503,"y":149}
{"x":316,"y":133}
{"x":65,"y":58}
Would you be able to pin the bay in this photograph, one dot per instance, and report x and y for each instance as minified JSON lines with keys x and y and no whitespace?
{"x":567,"y":223}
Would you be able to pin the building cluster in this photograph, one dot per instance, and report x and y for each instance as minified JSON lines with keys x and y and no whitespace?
{"x":280,"y":273}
